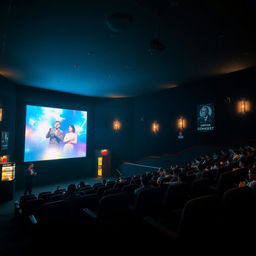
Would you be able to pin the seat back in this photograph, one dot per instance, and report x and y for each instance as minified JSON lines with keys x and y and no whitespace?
{"x":97,"y":185}
{"x":225,"y":181}
{"x":53,"y":212}
{"x":110,"y":184}
{"x":148,"y":201}
{"x":60,"y":191}
{"x":200,"y":187}
{"x":240,"y":210}
{"x":200,"y":217}
{"x":240,"y":175}
{"x":31,"y":206}
{"x":53,"y":198}
{"x":45,"y":195}
{"x":129,"y":189}
{"x":26,"y":198}
{"x":119,"y":185}
{"x":90,"y":191}
{"x":86,"y":187}
{"x":88,"y":201}
{"x":111,"y":191}
{"x":211,"y":175}
{"x":176,"y":196}
{"x":113,"y":206}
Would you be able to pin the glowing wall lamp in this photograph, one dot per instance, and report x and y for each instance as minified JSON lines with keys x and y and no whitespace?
{"x":243,"y":106}
{"x":155,"y":127}
{"x":181,"y":123}
{"x":1,"y":114}
{"x":116,"y":125}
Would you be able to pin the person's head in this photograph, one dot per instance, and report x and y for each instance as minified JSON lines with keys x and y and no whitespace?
{"x":122,"y":180}
{"x":204,"y":111}
{"x":231,"y":151}
{"x":176,"y":172}
{"x":182,"y":176}
{"x":71,"y":128}
{"x":57,"y":124}
{"x":81,"y":184}
{"x":242,"y":163}
{"x":30,"y":166}
{"x":71,"y":188}
{"x":161,"y":172}
{"x":144,"y":180}
{"x":252,"y":174}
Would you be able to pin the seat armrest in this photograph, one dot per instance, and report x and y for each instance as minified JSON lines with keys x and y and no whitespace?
{"x":32,"y":219}
{"x":160,"y":228}
{"x":17,"y":209}
{"x":90,"y":213}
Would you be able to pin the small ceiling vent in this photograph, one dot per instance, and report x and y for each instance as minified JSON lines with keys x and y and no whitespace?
{"x":119,"y":22}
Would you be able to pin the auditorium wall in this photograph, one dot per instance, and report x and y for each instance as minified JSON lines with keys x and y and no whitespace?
{"x":8,"y":105}
{"x":166,"y":106}
{"x":135,"y":139}
{"x":120,"y":143}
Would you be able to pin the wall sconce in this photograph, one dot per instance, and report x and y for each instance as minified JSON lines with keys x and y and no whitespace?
{"x":116,"y":125}
{"x":243,"y":106}
{"x":155,"y":127}
{"x":181,"y":123}
{"x":1,"y":114}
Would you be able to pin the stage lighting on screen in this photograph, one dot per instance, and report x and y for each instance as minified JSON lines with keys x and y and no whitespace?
{"x":54,"y":133}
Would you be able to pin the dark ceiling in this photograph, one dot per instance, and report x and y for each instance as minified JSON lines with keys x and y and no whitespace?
{"x":117,"y":48}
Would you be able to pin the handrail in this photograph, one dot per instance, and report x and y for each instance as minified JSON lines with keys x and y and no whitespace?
{"x":192,"y":147}
{"x":147,"y":166}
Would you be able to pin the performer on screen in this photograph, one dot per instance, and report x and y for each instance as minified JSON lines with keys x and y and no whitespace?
{"x":29,"y":175}
{"x":70,"y":139}
{"x":56,"y":136}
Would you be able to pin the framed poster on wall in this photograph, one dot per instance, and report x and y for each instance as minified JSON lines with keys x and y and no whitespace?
{"x":205,"y":117}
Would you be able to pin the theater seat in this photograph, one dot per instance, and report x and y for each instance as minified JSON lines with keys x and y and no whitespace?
{"x":176,"y":196}
{"x":111,"y":191}
{"x":240,"y":210}
{"x":225,"y":181}
{"x":31,"y":206}
{"x":148,"y":202}
{"x":240,"y":175}
{"x":53,"y":213}
{"x":111,"y":208}
{"x":53,"y":198}
{"x":200,"y":187}
{"x":45,"y":195}
{"x":88,"y":201}
{"x":199,"y":221}
{"x":129,"y":189}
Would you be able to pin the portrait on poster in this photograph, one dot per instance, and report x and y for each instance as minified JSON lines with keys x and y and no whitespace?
{"x":205,"y":117}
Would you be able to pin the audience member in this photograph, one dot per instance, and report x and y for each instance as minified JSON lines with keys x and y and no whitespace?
{"x":145,"y":184}
{"x":252,"y":179}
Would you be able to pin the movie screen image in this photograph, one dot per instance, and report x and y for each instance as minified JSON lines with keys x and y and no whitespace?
{"x":54,"y":133}
{"x":205,"y":117}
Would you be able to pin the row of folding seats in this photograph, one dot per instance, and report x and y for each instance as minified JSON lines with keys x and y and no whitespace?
{"x":148,"y":202}
{"x":212,"y":217}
